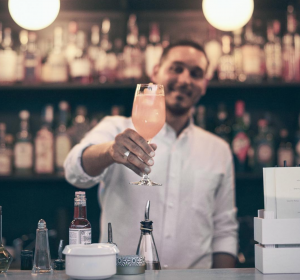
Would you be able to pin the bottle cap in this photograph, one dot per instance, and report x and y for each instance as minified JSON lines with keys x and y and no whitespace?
{"x":26,"y":260}
{"x":130,"y":264}
{"x":59,"y":264}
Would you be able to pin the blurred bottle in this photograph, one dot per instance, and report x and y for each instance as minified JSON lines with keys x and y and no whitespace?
{"x":80,"y":125}
{"x":63,"y":143}
{"x":118,"y":46}
{"x":213,"y":50}
{"x":9,"y":142}
{"x":93,"y":50}
{"x":285,"y":151}
{"x":226,"y":63}
{"x":23,"y":150}
{"x":132,"y":53}
{"x":8,"y":59}
{"x":273,"y":52}
{"x":20,"y":71}
{"x":264,"y":146}
{"x":291,"y":48}
{"x":200,"y":118}
{"x":297,"y":143}
{"x":238,"y":56}
{"x":55,"y":70}
{"x":80,"y":67}
{"x":44,"y":144}
{"x":143,"y":47}
{"x":154,"y":49}
{"x":222,"y":129}
{"x":252,"y":56}
{"x":241,"y":141}
{"x":71,"y":48}
{"x":5,"y":157}
{"x":32,"y":60}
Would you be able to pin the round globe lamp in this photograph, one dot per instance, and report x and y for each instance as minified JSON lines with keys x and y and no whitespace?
{"x":228,"y":15}
{"x":34,"y":14}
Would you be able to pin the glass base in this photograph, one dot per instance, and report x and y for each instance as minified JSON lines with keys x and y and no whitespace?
{"x":145,"y":181}
{"x":5,"y":259}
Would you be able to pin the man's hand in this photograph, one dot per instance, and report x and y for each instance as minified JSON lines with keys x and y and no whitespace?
{"x":141,"y":153}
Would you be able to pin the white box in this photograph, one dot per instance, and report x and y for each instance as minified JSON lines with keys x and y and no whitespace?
{"x":277,"y":260}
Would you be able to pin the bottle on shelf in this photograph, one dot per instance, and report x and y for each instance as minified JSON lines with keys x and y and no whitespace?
{"x":241,"y":141}
{"x":63,"y":142}
{"x":93,"y":50}
{"x":285,"y":151}
{"x":297,"y":143}
{"x":23,"y":150}
{"x":291,"y":48}
{"x":44,"y":144}
{"x":264,"y":146}
{"x":143,"y":47}
{"x":273,"y":52}
{"x":5,"y":157}
{"x":55,"y":69}
{"x":20,"y":71}
{"x":32,"y":60}
{"x":200,"y":116}
{"x":118,"y":45}
{"x":80,"y":230}
{"x":8,"y":59}
{"x":222,"y":129}
{"x":238,"y":55}
{"x":226,"y":71}
{"x":154,"y":49}
{"x":71,"y":50}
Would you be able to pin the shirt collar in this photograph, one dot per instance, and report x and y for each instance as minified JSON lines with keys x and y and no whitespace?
{"x":168,"y":129}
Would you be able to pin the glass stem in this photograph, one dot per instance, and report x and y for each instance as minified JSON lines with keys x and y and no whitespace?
{"x":145,"y":176}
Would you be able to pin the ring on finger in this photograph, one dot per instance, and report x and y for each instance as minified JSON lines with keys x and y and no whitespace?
{"x":126,"y":154}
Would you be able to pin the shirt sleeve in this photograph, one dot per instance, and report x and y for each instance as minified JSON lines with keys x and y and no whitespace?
{"x":225,"y":223}
{"x":105,"y":131}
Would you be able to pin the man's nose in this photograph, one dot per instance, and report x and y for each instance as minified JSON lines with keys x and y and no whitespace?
{"x":184,"y":77}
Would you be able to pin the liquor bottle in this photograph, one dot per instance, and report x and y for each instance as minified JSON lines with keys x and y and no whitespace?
{"x":238,"y":56}
{"x":264,"y":146}
{"x":8,"y":61}
{"x":20,"y":71}
{"x":143,"y":47}
{"x":291,"y":48}
{"x":32,"y":61}
{"x":80,"y":231}
{"x":80,"y":66}
{"x":222,"y":129}
{"x":80,"y":125}
{"x":118,"y":45}
{"x":5,"y":157}
{"x":44,"y":144}
{"x":9,"y":146}
{"x":285,"y":151}
{"x":132,"y":53}
{"x":213,"y":50}
{"x":93,"y":50}
{"x":23,"y":150}
{"x":63,"y":143}
{"x":154,"y":49}
{"x":273,"y":52}
{"x":146,"y":247}
{"x":226,"y":70}
{"x":5,"y":256}
{"x":55,"y":70}
{"x":200,"y":119}
{"x":297,"y":143}
{"x":241,"y":141}
{"x":252,"y":56}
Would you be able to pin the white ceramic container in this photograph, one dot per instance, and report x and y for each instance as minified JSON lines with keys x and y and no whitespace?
{"x":93,"y":261}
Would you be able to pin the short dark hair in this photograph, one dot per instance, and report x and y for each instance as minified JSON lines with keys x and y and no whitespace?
{"x":182,"y":43}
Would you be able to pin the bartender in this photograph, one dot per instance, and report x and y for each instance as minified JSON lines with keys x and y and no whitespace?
{"x":193,"y":212}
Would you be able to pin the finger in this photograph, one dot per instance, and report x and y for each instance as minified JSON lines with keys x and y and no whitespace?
{"x":153,"y":146}
{"x":138,"y":163}
{"x":140,"y":141}
{"x":134,"y":168}
{"x":136,"y":150}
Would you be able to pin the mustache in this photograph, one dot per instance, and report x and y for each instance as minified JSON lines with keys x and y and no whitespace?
{"x":181,"y":88}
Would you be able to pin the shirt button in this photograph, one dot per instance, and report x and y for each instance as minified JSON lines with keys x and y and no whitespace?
{"x":166,"y":266}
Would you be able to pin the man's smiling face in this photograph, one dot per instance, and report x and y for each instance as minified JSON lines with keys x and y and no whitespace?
{"x":182,"y":73}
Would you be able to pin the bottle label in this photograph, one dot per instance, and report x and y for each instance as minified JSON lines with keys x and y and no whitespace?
{"x":23,"y":155}
{"x":5,"y":164}
{"x":44,"y":156}
{"x":80,"y":236}
{"x":264,"y":153}
{"x":240,"y":146}
{"x":62,"y":148}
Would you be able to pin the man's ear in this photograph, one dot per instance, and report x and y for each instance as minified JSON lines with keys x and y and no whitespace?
{"x":155,"y":73}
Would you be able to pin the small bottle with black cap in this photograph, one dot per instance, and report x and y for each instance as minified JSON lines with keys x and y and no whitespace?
{"x":146,"y":247}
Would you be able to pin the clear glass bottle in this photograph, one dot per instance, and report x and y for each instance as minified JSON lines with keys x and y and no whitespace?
{"x":23,"y":150}
{"x":273,"y":52}
{"x":20,"y":71}
{"x":285,"y":151}
{"x":42,"y":258}
{"x":63,"y":142}
{"x":93,"y":50}
{"x":226,"y":71}
{"x":71,"y":47}
{"x":80,"y":230}
{"x":238,"y":56}
{"x":5,"y":157}
{"x":8,"y":61}
{"x":5,"y":256}
{"x":241,"y":141}
{"x":154,"y":49}
{"x":44,"y":144}
{"x":146,"y":247}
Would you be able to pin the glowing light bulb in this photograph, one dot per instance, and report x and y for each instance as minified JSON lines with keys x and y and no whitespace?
{"x":34,"y":14}
{"x":228,"y":15}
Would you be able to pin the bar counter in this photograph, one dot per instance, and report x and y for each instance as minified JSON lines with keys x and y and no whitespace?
{"x":191,"y":274}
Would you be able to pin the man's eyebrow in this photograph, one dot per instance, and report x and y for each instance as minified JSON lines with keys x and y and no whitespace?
{"x":190,"y":68}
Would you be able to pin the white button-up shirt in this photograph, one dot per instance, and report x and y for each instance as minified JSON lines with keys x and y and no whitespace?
{"x":193,"y":212}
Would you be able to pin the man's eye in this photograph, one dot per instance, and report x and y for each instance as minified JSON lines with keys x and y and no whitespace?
{"x":176,"y":69}
{"x":197,"y":73}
